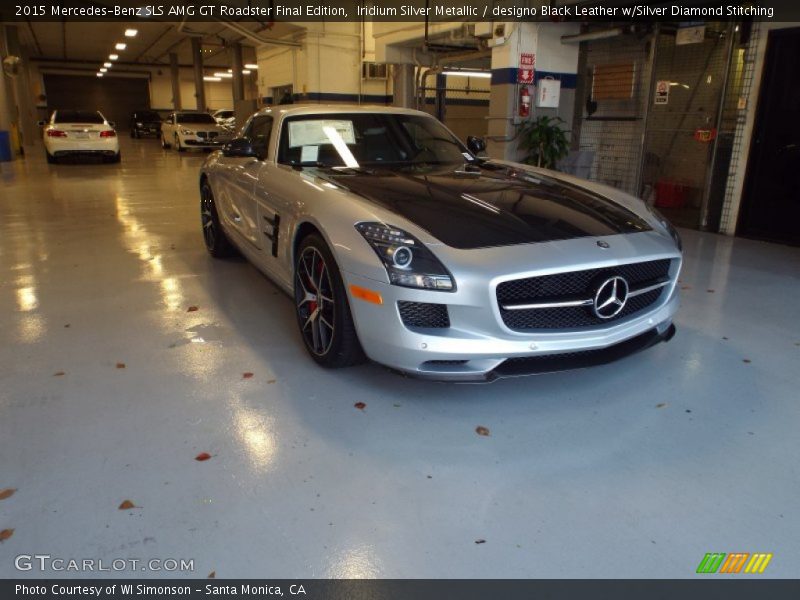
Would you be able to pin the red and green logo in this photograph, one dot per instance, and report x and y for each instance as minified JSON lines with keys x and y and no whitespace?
{"x":719,"y":562}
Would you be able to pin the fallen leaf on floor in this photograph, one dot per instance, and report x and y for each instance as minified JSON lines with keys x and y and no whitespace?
{"x":127,"y":505}
{"x":5,"y":534}
{"x":480,"y":541}
{"x":430,"y":476}
{"x":360,"y":405}
{"x":202,"y":456}
{"x":710,"y":291}
{"x":247,"y":375}
{"x":212,"y":575}
{"x":481,"y":430}
{"x":688,"y":411}
{"x":271,"y":380}
{"x":724,"y":337}
{"x":686,"y":287}
{"x":7,"y":493}
{"x":661,"y":405}
{"x":120,"y":365}
{"x":746,"y":360}
{"x":58,"y":373}
{"x":67,"y":325}
{"x":192,"y":309}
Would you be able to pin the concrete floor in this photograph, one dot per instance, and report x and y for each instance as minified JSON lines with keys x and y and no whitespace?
{"x":635,"y":469}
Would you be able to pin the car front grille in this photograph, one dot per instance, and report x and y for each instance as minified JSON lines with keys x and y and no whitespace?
{"x":424,"y":314}
{"x":577,"y":285}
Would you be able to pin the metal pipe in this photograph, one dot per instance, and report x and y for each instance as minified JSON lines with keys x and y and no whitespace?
{"x":704,"y":206}
{"x":254,"y":37}
{"x":651,"y":88}
{"x":593,"y":35}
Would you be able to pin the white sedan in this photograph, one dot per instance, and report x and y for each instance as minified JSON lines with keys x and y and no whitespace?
{"x":193,"y":130}
{"x":79,"y":133}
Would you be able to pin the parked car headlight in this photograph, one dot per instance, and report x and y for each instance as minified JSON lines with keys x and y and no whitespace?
{"x":668,"y":226}
{"x":187,"y":132}
{"x":407,"y":261}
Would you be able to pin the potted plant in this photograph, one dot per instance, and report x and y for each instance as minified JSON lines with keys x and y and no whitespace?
{"x":544,"y":140}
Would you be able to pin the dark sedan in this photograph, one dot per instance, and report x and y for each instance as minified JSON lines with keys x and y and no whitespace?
{"x":144,"y":123}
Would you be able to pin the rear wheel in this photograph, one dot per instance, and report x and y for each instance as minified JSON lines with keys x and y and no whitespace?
{"x":323,"y":311}
{"x":50,"y":158}
{"x":216,"y":241}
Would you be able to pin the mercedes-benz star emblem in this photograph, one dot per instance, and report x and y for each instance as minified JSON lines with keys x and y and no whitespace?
{"x":611,"y":297}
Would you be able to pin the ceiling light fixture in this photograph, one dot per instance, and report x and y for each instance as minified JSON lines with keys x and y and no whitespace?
{"x":226,"y":75}
{"x":131,"y":32}
{"x":251,"y":66}
{"x":103,"y":70}
{"x":209,"y":78}
{"x":107,"y":65}
{"x":121,"y":46}
{"x":481,"y":74}
{"x":99,"y":74}
{"x":246,"y":71}
{"x":113,"y":56}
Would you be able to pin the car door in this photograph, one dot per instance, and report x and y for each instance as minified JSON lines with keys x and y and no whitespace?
{"x":236,"y":182}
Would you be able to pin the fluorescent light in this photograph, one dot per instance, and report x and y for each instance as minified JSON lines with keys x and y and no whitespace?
{"x":107,"y":65}
{"x":131,"y":32}
{"x":113,"y":56}
{"x":481,"y":74}
{"x":121,"y":46}
{"x":103,"y":70}
{"x":208,"y":78}
{"x":99,"y":74}
{"x":246,"y":71}
{"x":226,"y":75}
{"x":230,"y":70}
{"x":251,"y":66}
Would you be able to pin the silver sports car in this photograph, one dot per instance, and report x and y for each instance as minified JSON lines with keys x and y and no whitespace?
{"x":400,"y":244}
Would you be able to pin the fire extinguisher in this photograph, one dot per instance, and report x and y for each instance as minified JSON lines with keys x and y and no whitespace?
{"x":524,"y":101}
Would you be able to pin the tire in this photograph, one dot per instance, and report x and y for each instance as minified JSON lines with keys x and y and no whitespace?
{"x":322,"y":308}
{"x":178,"y":146}
{"x":164,"y":143}
{"x":217,"y":243}
{"x":51,"y":160}
{"x":117,"y":157}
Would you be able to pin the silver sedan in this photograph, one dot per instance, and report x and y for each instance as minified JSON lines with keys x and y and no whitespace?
{"x":399,"y":244}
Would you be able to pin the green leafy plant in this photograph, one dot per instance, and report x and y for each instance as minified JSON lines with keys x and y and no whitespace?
{"x":544,"y":140}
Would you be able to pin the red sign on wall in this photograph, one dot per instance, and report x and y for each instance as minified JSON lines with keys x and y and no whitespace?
{"x":527,"y":61}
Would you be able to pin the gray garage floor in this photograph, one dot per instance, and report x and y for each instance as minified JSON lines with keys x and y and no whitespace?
{"x":110,"y":386}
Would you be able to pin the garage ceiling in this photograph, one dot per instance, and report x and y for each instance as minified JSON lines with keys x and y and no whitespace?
{"x":83,"y":41}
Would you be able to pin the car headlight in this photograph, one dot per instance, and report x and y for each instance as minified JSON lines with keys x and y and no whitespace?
{"x":407,"y":261}
{"x":668,"y":226}
{"x":187,"y":132}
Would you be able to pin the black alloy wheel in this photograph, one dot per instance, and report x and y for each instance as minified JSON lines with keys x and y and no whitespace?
{"x":323,"y":311}
{"x":216,"y":241}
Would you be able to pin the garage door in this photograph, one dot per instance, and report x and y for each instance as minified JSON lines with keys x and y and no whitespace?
{"x":115,"y":97}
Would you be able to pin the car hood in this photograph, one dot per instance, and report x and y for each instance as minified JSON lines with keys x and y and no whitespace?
{"x":491,"y":204}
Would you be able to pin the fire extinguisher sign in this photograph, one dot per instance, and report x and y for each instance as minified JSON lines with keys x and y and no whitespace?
{"x":527,"y":62}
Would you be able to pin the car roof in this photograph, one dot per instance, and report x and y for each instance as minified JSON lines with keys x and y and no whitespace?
{"x":287,"y":110}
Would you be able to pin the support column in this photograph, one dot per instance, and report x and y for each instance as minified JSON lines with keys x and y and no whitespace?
{"x":238,"y":78}
{"x":403,"y":78}
{"x":7,"y":106}
{"x":199,"y":84}
{"x":175,"y":73}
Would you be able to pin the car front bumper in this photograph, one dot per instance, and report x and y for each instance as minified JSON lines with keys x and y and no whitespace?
{"x":479,"y":347}
{"x":198,"y":142}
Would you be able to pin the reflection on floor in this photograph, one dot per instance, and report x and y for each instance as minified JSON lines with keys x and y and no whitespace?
{"x":110,"y":387}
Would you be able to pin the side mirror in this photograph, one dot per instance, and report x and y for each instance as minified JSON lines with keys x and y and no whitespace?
{"x":239,"y":148}
{"x":41,"y":123}
{"x":476,"y":144}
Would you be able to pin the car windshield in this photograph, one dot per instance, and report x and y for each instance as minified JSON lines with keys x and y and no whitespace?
{"x":195,"y":118}
{"x":368,"y":139}
{"x":147,"y":115}
{"x":78,"y":116}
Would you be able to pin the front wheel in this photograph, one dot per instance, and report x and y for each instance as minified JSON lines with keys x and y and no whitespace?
{"x":323,"y":311}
